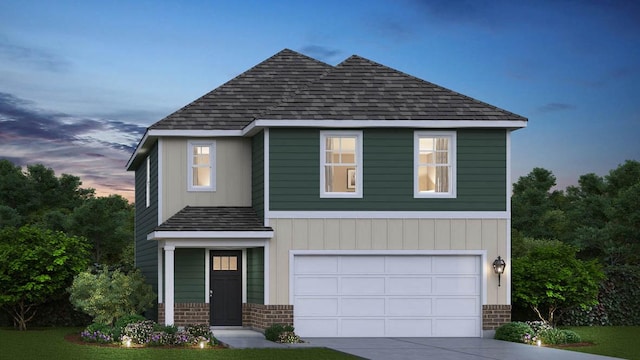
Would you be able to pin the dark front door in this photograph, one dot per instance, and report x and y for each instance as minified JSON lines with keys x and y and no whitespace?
{"x":226,"y":288}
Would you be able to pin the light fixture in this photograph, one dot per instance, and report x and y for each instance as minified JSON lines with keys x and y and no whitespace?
{"x":201,"y":344}
{"x":498,"y":267}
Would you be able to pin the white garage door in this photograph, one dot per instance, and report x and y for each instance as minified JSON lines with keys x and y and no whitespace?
{"x":386,"y":295}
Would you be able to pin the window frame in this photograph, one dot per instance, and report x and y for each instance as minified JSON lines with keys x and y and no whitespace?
{"x":451,"y":135}
{"x":324,"y":134}
{"x":212,"y":165}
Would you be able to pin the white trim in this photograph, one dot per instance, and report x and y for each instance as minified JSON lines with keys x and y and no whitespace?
{"x":212,"y":165}
{"x":139,"y":150}
{"x":388,"y":214}
{"x":196,"y":133}
{"x":215,"y":244}
{"x":344,"y":124}
{"x":244,"y":275}
{"x":266,"y":176}
{"x":266,"y":272}
{"x":147,"y":189}
{"x":451,"y":160}
{"x":507,"y":272}
{"x":157,"y":235}
{"x":169,"y":252}
{"x":160,"y":177}
{"x":207,"y":274}
{"x":358,"y":163}
{"x":481,"y":253}
{"x":160,"y":274}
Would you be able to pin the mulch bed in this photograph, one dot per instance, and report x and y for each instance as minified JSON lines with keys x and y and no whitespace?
{"x":75,"y":338}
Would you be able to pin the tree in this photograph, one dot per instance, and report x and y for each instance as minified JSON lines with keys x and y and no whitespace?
{"x":35,"y":266}
{"x":548,"y":277}
{"x":108,"y":223}
{"x":109,"y":295}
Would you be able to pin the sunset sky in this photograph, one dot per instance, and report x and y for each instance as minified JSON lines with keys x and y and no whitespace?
{"x":81,"y":80}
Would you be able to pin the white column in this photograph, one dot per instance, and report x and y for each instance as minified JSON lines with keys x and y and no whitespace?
{"x":266,"y":272}
{"x":160,"y":276}
{"x":169,"y":252}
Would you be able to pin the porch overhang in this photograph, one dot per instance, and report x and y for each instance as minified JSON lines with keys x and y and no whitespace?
{"x":191,"y":235}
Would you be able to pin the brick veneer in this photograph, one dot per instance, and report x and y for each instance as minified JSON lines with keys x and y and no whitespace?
{"x":186,"y":314}
{"x":260,"y":317}
{"x":495,"y":315}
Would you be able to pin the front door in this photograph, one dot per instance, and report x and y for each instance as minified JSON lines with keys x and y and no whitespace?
{"x":226,"y":288}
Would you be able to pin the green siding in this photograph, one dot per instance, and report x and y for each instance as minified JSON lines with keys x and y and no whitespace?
{"x":146,"y":252}
{"x":189,"y":275}
{"x":387,"y":172}
{"x":255,"y":276}
{"x":257,"y":173}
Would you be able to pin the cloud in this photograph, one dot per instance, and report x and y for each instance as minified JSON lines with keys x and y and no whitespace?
{"x":555,"y":107}
{"x":37,"y":58}
{"x":477,"y":12}
{"x":319,"y":52}
{"x":94,"y":149}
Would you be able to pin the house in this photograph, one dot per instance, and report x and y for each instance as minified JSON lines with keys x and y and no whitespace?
{"x":350,"y":200}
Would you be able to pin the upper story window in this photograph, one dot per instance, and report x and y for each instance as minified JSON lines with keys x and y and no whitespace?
{"x":434,"y":164}
{"x":341,"y":164}
{"x":202,"y":165}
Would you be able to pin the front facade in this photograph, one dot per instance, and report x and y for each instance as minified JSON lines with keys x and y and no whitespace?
{"x":352,"y":200}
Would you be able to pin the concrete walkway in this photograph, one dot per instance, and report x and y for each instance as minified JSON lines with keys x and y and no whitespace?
{"x":411,"y":348}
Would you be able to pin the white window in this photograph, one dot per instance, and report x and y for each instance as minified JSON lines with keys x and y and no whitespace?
{"x":435,"y":164}
{"x":148,"y":183}
{"x":201,"y":171}
{"x":341,"y":164}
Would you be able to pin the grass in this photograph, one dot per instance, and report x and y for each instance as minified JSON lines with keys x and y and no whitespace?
{"x":617,"y":341}
{"x":50,"y":344}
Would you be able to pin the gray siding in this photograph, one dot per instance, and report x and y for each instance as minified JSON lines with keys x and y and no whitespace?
{"x":255,"y":276}
{"x":189,"y":275}
{"x":257,"y":173}
{"x":146,"y":252}
{"x":387,"y":172}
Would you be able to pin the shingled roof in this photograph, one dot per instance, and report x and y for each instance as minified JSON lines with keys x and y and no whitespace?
{"x":292,"y":86}
{"x":210,"y":218}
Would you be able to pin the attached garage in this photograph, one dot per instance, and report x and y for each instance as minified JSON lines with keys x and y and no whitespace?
{"x":386,"y":295}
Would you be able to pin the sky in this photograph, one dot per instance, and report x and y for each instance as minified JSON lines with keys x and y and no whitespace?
{"x":80,"y":81}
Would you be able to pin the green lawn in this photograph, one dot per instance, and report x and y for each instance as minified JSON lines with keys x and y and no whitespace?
{"x":617,"y":341}
{"x":50,"y":344}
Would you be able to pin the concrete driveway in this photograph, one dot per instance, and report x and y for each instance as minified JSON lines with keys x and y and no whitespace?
{"x":445,"y":349}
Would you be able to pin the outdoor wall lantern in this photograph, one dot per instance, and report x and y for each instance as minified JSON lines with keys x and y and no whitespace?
{"x":498,"y":267}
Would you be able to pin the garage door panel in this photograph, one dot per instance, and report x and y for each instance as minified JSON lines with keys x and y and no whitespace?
{"x":387,"y":295}
{"x":362,"y":265}
{"x":317,"y":306}
{"x":317,"y":265}
{"x":456,"y":306}
{"x":459,"y":285}
{"x":409,"y":307}
{"x":317,"y":327}
{"x":362,"y":327}
{"x":409,"y":285}
{"x":408,"y":265}
{"x":362,"y":285}
{"x":362,"y":307}
{"x":316,"y":285}
{"x":456,"y":327}
{"x":409,"y":327}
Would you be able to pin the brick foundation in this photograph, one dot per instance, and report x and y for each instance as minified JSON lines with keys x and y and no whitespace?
{"x":260,"y":317}
{"x":495,"y":315}
{"x":186,"y":314}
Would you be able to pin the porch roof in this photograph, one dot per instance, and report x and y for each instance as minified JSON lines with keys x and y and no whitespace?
{"x":215,"y":218}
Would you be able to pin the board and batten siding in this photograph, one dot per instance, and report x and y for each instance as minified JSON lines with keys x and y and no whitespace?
{"x":388,"y":157}
{"x":257,"y":175}
{"x":233,"y":175}
{"x":189,"y":276}
{"x":255,"y":275}
{"x":146,"y":219}
{"x":384,"y":234}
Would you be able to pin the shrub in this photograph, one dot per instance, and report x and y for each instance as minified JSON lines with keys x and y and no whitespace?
{"x":97,"y":332}
{"x":110,"y":295}
{"x":571,"y":336}
{"x":139,"y":332}
{"x":124,"y":321}
{"x":289,"y":337}
{"x":272,"y":333}
{"x":514,"y":331}
{"x":199,"y":330}
{"x":553,"y":337}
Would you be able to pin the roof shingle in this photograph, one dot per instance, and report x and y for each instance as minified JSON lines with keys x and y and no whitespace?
{"x":212,"y":218}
